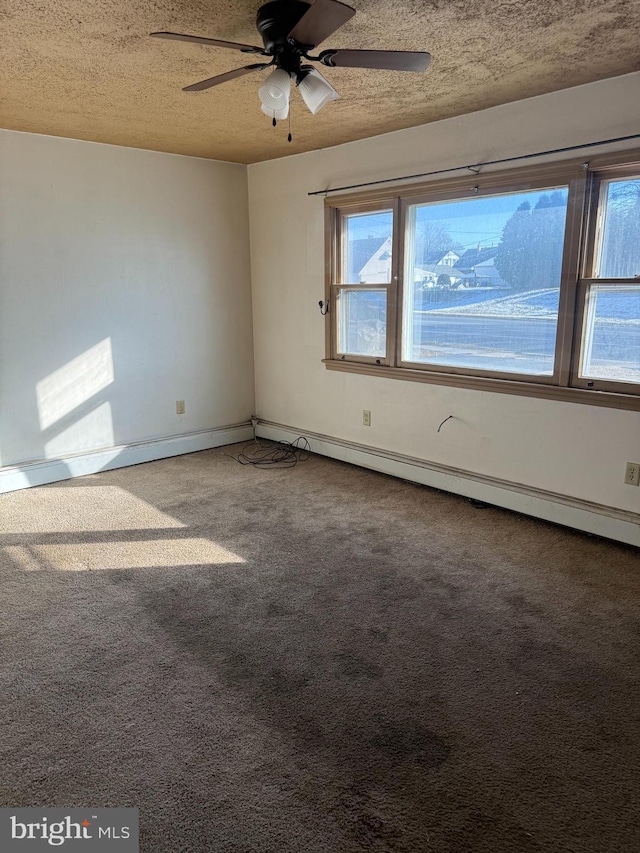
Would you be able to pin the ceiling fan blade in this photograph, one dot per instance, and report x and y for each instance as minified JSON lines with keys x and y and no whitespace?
{"x":222,"y":78}
{"x":321,"y":19}
{"x":387,"y":60}
{"x":247,"y":48}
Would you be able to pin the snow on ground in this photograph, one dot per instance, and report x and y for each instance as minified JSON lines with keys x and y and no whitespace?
{"x":533,"y":304}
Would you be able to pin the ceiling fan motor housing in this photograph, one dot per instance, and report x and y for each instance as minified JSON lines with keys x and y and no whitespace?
{"x":275,"y":21}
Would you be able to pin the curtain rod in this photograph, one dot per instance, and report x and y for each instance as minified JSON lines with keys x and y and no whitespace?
{"x":476,"y":166}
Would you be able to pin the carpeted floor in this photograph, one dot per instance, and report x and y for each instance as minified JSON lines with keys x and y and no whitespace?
{"x":317,"y":659}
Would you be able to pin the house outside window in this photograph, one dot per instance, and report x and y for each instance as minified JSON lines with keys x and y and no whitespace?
{"x":523,"y":282}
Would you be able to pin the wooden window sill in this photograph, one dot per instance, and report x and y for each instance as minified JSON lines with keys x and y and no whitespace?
{"x":499,"y":386}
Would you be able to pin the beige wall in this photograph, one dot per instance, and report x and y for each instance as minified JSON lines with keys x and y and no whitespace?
{"x":575,"y":450}
{"x":124,"y":286}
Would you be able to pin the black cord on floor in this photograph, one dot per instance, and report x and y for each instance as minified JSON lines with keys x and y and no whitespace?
{"x":476,"y":504}
{"x":279,"y":454}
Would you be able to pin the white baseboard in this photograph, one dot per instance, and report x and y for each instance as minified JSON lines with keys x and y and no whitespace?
{"x":588,"y":516}
{"x":13,"y":477}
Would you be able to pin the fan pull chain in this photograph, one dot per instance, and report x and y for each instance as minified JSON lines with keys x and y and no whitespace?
{"x":274,"y":123}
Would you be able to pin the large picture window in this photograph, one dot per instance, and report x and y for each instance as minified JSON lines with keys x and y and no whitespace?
{"x":482,"y":282}
{"x":526,"y":282}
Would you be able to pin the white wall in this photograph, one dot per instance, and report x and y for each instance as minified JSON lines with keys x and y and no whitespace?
{"x":124,"y":286}
{"x":574,"y":450}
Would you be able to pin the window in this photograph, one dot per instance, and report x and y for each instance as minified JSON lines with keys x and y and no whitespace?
{"x":524,"y":282}
{"x":496,"y":308}
{"x":365,"y":262}
{"x":610,"y":297}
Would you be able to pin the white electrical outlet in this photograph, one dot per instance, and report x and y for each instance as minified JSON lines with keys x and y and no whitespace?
{"x":632,"y":474}
{"x":366,"y":417}
{"x":180,"y":407}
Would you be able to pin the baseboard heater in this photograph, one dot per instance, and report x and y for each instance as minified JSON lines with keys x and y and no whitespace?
{"x":588,"y":516}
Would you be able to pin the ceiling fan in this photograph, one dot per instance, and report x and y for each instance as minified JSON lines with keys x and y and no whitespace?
{"x":289,"y":30}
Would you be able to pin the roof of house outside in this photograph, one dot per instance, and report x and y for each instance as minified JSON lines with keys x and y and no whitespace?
{"x":476,"y":256}
{"x":360,"y":253}
{"x":435,"y":257}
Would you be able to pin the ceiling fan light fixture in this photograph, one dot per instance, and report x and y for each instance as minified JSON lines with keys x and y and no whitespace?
{"x":279,"y":115}
{"x":275,"y":91}
{"x":290,"y":29}
{"x":316,"y":91}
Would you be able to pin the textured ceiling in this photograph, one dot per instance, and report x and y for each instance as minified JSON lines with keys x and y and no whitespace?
{"x":87,"y":68}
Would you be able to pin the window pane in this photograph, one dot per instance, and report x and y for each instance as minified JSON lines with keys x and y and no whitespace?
{"x":362,"y":322}
{"x":619,"y":249}
{"x":366,"y":239}
{"x":482,"y":282}
{"x":611,"y":342}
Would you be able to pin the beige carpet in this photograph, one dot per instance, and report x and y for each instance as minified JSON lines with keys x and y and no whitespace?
{"x":317,"y":659}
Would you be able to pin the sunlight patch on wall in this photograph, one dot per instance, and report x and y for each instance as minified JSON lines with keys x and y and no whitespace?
{"x":90,"y":432}
{"x":73,"y":384}
{"x":82,"y":557}
{"x":75,"y":508}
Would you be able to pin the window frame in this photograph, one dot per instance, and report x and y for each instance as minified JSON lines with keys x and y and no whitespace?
{"x":336,"y":285}
{"x":587,"y":279}
{"x":584,"y":181}
{"x":502,"y":185}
